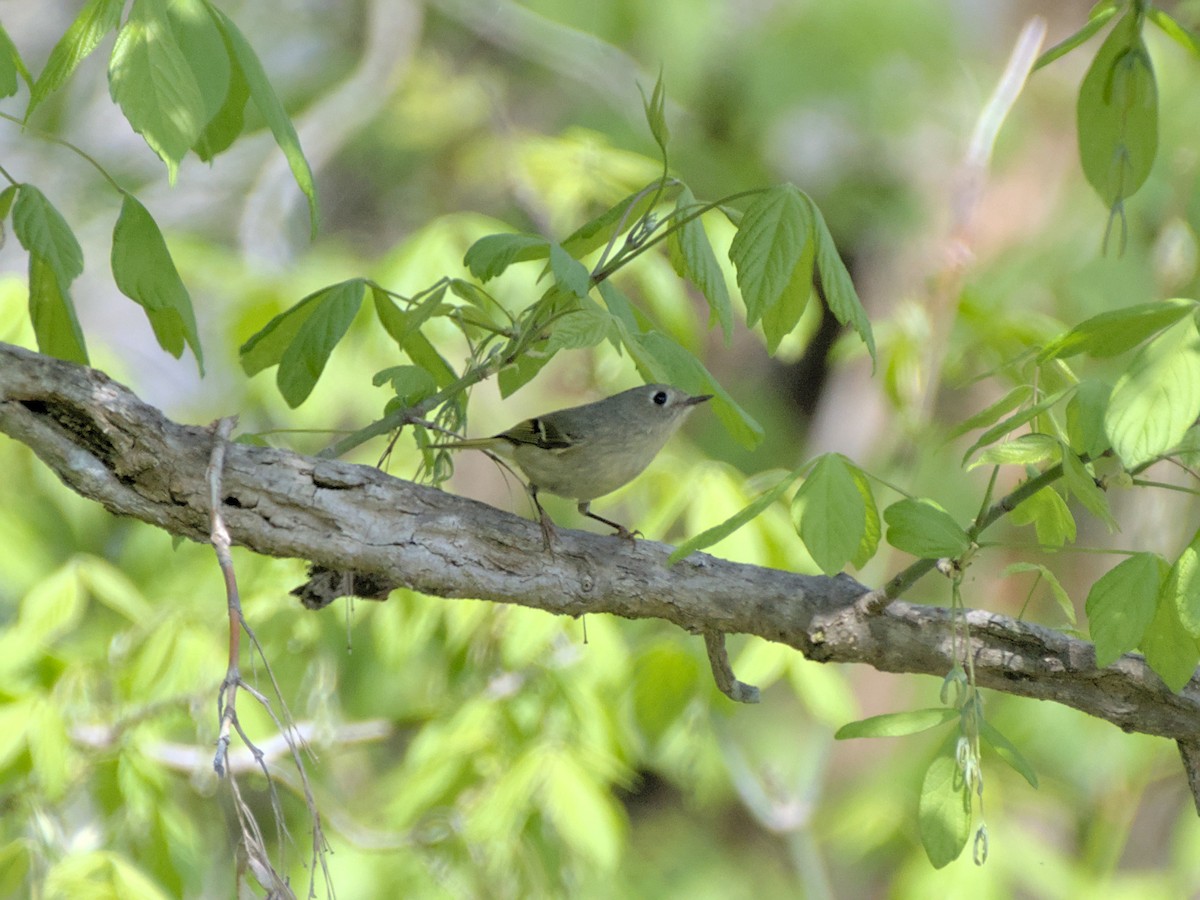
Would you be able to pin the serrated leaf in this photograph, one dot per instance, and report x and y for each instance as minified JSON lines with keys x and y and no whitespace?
{"x":150,"y":79}
{"x":924,"y":529}
{"x":304,"y":359}
{"x":1024,"y":450}
{"x":1085,"y":418}
{"x":693,"y":258}
{"x":1008,"y":752}
{"x":1157,"y":399}
{"x":1049,"y":515}
{"x":944,"y":811}
{"x":872,"y":528}
{"x":1169,"y":649}
{"x":41,"y":229}
{"x":11,"y":66}
{"x":1016,"y":420}
{"x":272,"y":110}
{"x":774,"y":239}
{"x":898,"y":724}
{"x":829,"y":514}
{"x":1117,"y":114}
{"x":585,"y":326}
{"x":752,"y":510}
{"x":489,"y":256}
{"x":982,"y":419}
{"x":1082,"y":484}
{"x":1096,"y":21}
{"x":1122,"y":603}
{"x":836,"y":284}
{"x":1111,"y":333}
{"x":145,"y":273}
{"x":1056,"y":589}
{"x":570,"y":274}
{"x":91,"y":25}
{"x":623,"y":215}
{"x":1183,"y":587}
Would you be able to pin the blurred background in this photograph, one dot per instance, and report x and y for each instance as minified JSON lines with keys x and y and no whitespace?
{"x":464,"y":749}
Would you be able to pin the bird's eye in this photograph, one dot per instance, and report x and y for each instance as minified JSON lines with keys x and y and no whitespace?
{"x":660,"y":398}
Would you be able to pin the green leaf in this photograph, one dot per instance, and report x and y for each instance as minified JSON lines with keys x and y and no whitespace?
{"x":1117,"y":114}
{"x":719,"y":532}
{"x":272,"y":110}
{"x":666,"y":681}
{"x":52,"y":314}
{"x":1008,"y":752}
{"x":624,"y":215}
{"x":145,"y":273}
{"x":1183,"y":586}
{"x":48,"y":748}
{"x":205,"y":50}
{"x":898,"y":724}
{"x":41,"y":229}
{"x":1157,"y":399}
{"x":1016,"y":420}
{"x":1056,"y":589}
{"x":226,"y":124}
{"x":94,"y":22}
{"x":1010,"y":401}
{"x":327,"y":322}
{"x":770,"y":250}
{"x":780,"y":320}
{"x":11,"y":66}
{"x":830,"y":514}
{"x":585,"y":326}
{"x":944,"y":811}
{"x":924,"y":529}
{"x":836,"y":284}
{"x":1049,"y":515}
{"x":489,"y":256}
{"x":1024,"y":450}
{"x":526,"y":368}
{"x":1111,"y":333}
{"x":872,"y":529}
{"x":1169,"y":649}
{"x":425,"y":355}
{"x":693,"y":258}
{"x":570,"y":274}
{"x":150,"y":79}
{"x":1176,"y":30}
{"x":1100,"y":15}
{"x":655,"y":115}
{"x":411,"y":384}
{"x":1122,"y":603}
{"x":1085,"y":418}
{"x":402,"y":325}
{"x":1082,"y":484}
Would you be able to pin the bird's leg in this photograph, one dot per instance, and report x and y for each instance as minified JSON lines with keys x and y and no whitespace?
{"x":544,"y":520}
{"x":585,"y":510}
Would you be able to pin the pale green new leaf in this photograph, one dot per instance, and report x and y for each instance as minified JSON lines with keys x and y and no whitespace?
{"x":944,"y":811}
{"x":770,"y":248}
{"x":719,"y":532}
{"x":898,"y":724}
{"x":1024,"y":450}
{"x":924,"y":529}
{"x":271,"y":108}
{"x":150,"y":79}
{"x":829,"y":514}
{"x":1056,"y":589}
{"x":872,"y":527}
{"x":1157,"y":399}
{"x":145,"y":273}
{"x":1176,"y":30}
{"x":1122,"y":603}
{"x":11,"y":66}
{"x":1117,"y":114}
{"x":1085,"y":418}
{"x":1082,"y":484}
{"x":489,"y":256}
{"x":616,"y":219}
{"x":1183,"y":587}
{"x":1050,"y":516}
{"x":585,"y":326}
{"x":91,"y":25}
{"x":1100,"y":15}
{"x":570,"y":274}
{"x":1111,"y":333}
{"x":1008,"y":752}
{"x":990,"y":415}
{"x":655,"y":113}
{"x":1170,"y":649}
{"x":1016,"y":420}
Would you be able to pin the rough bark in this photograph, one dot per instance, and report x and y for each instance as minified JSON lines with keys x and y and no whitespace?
{"x":107,"y":445}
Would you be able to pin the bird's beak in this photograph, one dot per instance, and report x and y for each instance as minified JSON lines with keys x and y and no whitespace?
{"x":700,"y":398}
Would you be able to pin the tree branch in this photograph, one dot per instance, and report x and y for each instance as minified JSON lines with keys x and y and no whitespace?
{"x":108,"y":445}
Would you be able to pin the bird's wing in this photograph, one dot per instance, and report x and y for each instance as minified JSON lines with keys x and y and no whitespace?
{"x":540,"y":433}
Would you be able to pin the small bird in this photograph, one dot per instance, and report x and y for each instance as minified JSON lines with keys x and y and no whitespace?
{"x":585,"y":452}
